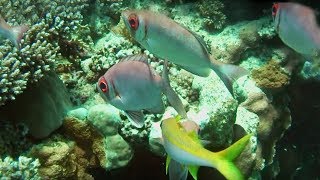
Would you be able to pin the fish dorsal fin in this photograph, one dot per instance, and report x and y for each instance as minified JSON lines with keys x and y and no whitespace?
{"x":193,"y":171}
{"x":136,"y":57}
{"x":167,"y":163}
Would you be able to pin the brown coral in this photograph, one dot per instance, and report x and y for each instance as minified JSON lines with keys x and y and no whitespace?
{"x":270,"y":76}
{"x":61,"y":158}
{"x":274,"y":121}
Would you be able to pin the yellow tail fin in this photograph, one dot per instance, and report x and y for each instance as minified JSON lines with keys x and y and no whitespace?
{"x":225,"y":165}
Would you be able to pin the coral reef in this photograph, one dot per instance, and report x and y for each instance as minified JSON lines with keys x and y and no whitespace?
{"x":235,"y":40}
{"x":310,"y":70}
{"x":102,"y":120}
{"x":61,"y":159}
{"x":217,"y":110}
{"x":212,"y":11}
{"x":81,"y":40}
{"x":50,"y":23}
{"x":108,"y":50}
{"x":105,"y":118}
{"x":42,"y":107}
{"x":136,"y":136}
{"x":22,"y":168}
{"x":269,"y":120}
{"x":13,"y":140}
{"x":270,"y":76}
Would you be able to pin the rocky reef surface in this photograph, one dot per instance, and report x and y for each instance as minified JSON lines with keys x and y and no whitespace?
{"x":69,"y":131}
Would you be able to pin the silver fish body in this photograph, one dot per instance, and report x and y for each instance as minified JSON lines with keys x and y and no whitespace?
{"x":133,"y":86}
{"x":297,"y":27}
{"x":168,"y":40}
{"x":171,"y":41}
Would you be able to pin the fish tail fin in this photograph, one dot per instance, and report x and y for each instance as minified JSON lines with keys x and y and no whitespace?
{"x":18,"y":32}
{"x":172,"y":96}
{"x":224,"y":161}
{"x":228,"y":73}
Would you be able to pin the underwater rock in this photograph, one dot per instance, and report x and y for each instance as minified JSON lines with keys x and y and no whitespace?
{"x":99,"y":136}
{"x":22,"y":168}
{"x":155,"y":139}
{"x":105,"y":118}
{"x":217,"y":108}
{"x":42,"y":107}
{"x":271,"y":121}
{"x":79,"y":113}
{"x":118,"y":152}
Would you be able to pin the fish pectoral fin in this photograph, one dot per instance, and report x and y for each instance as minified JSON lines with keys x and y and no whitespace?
{"x":167,"y":163}
{"x":193,"y":171}
{"x":172,"y":96}
{"x":177,"y":171}
{"x":136,"y":118}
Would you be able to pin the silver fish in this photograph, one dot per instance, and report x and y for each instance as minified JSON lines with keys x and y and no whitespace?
{"x":133,"y":86}
{"x":14,"y":34}
{"x":171,"y":41}
{"x":297,"y":27}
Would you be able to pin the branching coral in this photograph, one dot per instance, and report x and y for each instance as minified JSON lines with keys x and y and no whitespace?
{"x":49,"y":21}
{"x":215,"y":19}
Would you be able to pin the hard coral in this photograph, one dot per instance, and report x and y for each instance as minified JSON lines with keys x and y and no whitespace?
{"x":13,"y":140}
{"x":48,"y":21}
{"x":270,"y":76}
{"x":61,"y":159}
{"x":212,"y":11}
{"x":22,"y":168}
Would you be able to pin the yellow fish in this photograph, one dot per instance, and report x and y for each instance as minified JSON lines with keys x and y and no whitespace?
{"x":186,"y":149}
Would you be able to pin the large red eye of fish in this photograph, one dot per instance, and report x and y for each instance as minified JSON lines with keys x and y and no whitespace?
{"x":275,"y":8}
{"x":133,"y":21}
{"x":103,"y":85}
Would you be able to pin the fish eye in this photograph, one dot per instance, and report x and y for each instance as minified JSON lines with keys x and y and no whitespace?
{"x":133,"y":21}
{"x":275,"y":7}
{"x":103,"y":85}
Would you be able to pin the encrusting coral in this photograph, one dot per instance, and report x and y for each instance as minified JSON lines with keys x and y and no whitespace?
{"x":270,"y":76}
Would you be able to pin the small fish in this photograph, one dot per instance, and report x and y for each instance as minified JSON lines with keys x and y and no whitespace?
{"x":297,"y":27}
{"x":187,"y":150}
{"x":171,"y":41}
{"x":176,"y":170}
{"x":14,"y":34}
{"x":133,"y":86}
